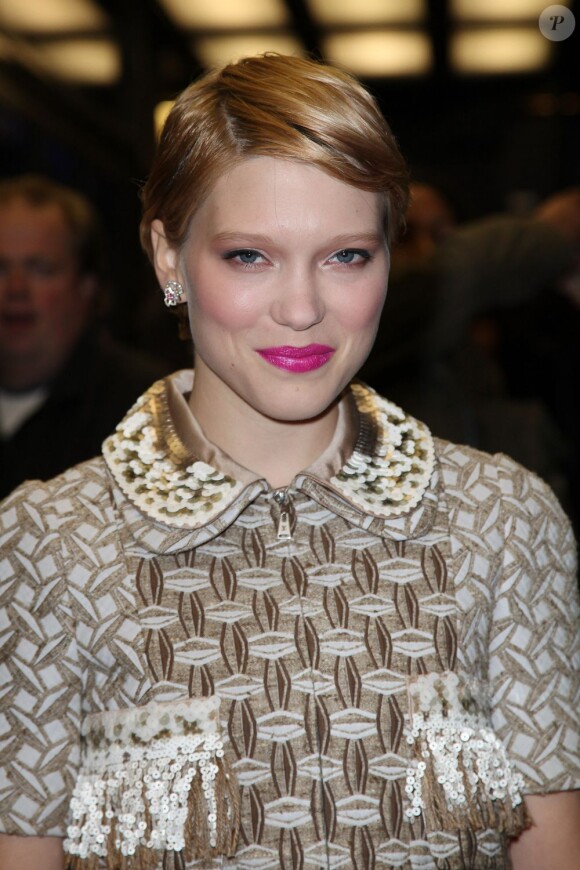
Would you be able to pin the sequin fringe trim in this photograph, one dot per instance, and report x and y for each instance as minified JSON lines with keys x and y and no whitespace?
{"x":462,"y":776}
{"x":177,"y":795}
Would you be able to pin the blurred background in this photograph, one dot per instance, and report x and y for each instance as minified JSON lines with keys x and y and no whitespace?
{"x":484,"y":106}
{"x":480,"y":337}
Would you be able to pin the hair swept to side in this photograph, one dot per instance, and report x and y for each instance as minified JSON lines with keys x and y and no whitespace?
{"x":277,"y":106}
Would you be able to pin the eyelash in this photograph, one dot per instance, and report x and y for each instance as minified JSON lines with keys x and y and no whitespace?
{"x":357,"y":252}
{"x":237,"y":254}
{"x":364,"y":255}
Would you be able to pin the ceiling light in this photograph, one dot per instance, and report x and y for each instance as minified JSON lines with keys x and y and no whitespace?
{"x":160,"y":114}
{"x":362,"y":12}
{"x":49,"y":16}
{"x":499,"y":50}
{"x":82,"y":61}
{"x":226,"y":14}
{"x":499,"y":10}
{"x":380,"y":52}
{"x":219,"y":50}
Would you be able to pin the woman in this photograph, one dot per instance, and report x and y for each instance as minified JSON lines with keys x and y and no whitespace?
{"x":278,"y":624}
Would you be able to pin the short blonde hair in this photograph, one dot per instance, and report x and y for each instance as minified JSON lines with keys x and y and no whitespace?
{"x":276,"y":106}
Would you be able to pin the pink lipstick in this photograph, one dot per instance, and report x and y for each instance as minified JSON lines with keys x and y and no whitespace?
{"x":297,"y":359}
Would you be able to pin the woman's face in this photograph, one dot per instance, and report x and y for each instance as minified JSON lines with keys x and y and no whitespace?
{"x":285,"y":270}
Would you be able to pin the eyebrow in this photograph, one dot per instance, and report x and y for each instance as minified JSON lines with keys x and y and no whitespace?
{"x":259,"y":239}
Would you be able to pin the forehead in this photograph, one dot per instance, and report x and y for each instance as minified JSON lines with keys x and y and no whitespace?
{"x":286,"y":193}
{"x":23,"y":223}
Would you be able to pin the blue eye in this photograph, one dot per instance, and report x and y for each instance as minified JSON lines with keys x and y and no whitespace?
{"x":246,"y":256}
{"x":351,"y":255}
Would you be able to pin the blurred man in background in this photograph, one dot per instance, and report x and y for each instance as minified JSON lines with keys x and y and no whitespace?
{"x":64,"y":383}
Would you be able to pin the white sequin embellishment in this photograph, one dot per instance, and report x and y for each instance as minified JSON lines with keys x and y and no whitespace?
{"x":182,"y":494}
{"x":457,"y":749}
{"x":386,"y":475}
{"x":139,"y":768}
{"x":392,"y":478}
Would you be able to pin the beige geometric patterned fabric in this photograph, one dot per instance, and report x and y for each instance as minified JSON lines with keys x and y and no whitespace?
{"x":531,"y":609}
{"x":309,"y":642}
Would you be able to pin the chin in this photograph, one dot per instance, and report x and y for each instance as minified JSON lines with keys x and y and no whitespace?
{"x":291,"y":406}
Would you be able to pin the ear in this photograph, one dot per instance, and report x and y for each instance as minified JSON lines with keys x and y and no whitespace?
{"x":89,"y":287}
{"x":164,"y":255}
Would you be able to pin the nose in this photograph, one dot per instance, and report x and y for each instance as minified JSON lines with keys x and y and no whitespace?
{"x":298,"y":303}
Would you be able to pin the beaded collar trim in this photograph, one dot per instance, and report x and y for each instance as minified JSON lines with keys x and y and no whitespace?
{"x":158,"y":475}
{"x":386,"y":475}
{"x":392,"y":463}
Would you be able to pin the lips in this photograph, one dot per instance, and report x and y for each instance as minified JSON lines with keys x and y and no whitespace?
{"x":297,"y":359}
{"x":17,"y":320}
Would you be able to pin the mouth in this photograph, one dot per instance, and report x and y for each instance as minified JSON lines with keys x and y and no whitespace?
{"x":297,"y":359}
{"x":16,"y":321}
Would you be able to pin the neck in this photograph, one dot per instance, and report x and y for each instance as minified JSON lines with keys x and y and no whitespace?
{"x":276,"y":450}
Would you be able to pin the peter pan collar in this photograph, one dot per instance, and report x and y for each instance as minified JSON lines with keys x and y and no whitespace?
{"x":169,"y":473}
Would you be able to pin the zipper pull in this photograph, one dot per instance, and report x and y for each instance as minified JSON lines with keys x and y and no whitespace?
{"x":284,"y":533}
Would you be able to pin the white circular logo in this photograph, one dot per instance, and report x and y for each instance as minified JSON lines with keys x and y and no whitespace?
{"x":557,"y":23}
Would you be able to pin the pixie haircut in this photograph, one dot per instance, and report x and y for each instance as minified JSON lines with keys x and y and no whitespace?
{"x":271,"y":106}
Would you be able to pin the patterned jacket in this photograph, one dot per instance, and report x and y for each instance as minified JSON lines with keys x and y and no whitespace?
{"x":366,"y":669}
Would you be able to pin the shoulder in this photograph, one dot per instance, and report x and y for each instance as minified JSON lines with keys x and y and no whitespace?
{"x":496,"y":494}
{"x":54,"y":535}
{"x":63,"y":502}
{"x":470,"y":471}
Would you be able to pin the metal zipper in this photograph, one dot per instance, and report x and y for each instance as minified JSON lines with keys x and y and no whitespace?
{"x":284,"y":533}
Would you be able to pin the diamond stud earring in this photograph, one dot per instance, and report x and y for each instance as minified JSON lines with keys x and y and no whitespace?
{"x":172,"y":293}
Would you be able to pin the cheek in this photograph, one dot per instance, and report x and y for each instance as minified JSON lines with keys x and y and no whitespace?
{"x":229,"y":309}
{"x":54,"y":298}
{"x":364,"y":309}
